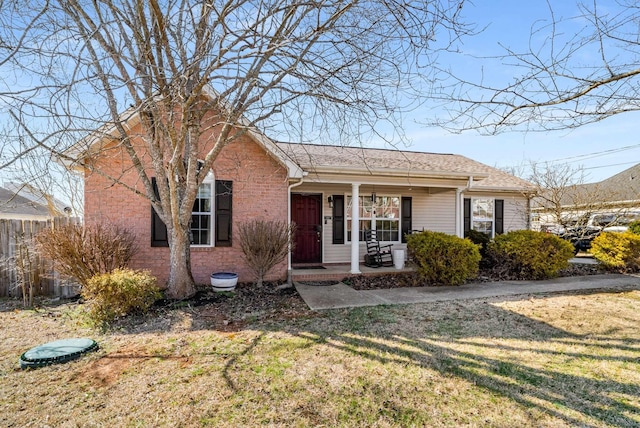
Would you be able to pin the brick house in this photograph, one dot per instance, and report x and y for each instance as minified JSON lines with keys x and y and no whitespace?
{"x":325,"y":190}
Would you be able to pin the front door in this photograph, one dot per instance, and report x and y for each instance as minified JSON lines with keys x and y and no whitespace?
{"x":306,"y":213}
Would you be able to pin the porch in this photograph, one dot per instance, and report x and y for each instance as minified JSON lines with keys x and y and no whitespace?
{"x":338,"y":271}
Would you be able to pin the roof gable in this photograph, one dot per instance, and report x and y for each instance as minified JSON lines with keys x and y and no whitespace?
{"x":131,"y":118}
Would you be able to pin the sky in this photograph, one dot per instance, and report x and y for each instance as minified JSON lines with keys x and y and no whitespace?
{"x":602,"y":149}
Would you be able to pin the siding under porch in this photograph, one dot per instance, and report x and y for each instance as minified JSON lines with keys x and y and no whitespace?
{"x":433,"y":208}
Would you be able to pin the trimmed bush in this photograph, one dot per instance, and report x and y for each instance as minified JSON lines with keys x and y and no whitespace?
{"x":617,"y":250}
{"x":634,"y":227}
{"x":526,"y":254}
{"x":119,"y":293}
{"x":443,"y":259}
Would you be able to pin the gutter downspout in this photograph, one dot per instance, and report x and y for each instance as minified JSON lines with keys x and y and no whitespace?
{"x":291,"y":186}
{"x":459,"y":206}
{"x":529,"y":213}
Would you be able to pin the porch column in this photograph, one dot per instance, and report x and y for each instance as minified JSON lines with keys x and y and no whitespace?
{"x":355,"y":228}
{"x":458,"y":208}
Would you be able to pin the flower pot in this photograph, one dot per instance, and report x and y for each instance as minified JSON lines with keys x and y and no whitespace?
{"x":224,"y":281}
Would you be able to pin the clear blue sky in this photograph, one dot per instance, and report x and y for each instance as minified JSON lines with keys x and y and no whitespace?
{"x":603,"y":149}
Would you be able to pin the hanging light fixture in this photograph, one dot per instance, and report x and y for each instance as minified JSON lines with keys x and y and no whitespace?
{"x":374,"y":198}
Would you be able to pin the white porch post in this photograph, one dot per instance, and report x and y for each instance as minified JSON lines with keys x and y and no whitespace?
{"x":355,"y":228}
{"x":459,"y":215}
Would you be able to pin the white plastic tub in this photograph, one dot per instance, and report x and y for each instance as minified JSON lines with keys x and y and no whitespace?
{"x":224,"y":281}
{"x":398,"y":259}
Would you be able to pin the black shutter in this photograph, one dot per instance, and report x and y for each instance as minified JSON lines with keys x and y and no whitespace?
{"x":406,"y":225}
{"x":224,"y":193}
{"x":499,"y":207}
{"x":467,"y":216}
{"x":338,"y":219}
{"x":159,"y":235}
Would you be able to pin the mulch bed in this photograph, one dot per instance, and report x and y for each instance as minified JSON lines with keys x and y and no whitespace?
{"x":232,"y":311}
{"x":410,"y":279}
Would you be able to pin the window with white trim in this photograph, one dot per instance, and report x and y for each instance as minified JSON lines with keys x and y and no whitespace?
{"x":385,"y":211}
{"x":202,"y":214}
{"x":210,"y":216}
{"x":482,"y":215}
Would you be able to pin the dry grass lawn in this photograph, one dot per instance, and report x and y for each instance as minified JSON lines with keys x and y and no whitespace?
{"x":554,"y":361}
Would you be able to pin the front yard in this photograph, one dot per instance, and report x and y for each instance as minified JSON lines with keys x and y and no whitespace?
{"x":569,"y":360}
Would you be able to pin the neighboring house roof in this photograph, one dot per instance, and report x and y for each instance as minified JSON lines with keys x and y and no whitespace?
{"x":624,"y":186}
{"x":55,"y":205}
{"x":621,"y":187}
{"x":17,"y":207}
{"x":361,"y":160}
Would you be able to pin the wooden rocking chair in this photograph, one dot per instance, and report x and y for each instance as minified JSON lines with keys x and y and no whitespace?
{"x":377,"y":255}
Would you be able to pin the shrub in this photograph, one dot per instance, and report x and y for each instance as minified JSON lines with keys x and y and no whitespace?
{"x":617,"y":250}
{"x":83,"y":252}
{"x":119,"y":293}
{"x":634,"y":227}
{"x":443,"y":259}
{"x":526,"y":254}
{"x":264,"y":243}
{"x":482,"y":240}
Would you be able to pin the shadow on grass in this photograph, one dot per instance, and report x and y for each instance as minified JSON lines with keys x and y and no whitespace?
{"x":475,"y":341}
{"x":455,"y":345}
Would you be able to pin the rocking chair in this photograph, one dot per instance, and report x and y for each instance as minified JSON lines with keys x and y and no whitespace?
{"x":377,"y":255}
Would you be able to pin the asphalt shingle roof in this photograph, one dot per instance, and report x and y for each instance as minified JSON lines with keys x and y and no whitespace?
{"x":10,"y":203}
{"x":624,"y":186}
{"x":311,"y":156}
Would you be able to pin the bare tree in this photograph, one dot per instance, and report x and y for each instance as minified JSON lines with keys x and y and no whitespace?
{"x":295,"y":68}
{"x":576,"y":70}
{"x":562,"y":198}
{"x":564,"y":204}
{"x":32,"y":173}
{"x":21,"y":268}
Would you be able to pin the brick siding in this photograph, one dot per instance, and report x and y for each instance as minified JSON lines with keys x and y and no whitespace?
{"x":259,"y":191}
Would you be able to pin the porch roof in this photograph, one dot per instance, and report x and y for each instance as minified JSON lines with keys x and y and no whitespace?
{"x":317,"y":158}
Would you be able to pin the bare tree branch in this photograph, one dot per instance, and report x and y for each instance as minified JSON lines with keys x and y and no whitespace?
{"x":302,"y":70}
{"x":568,"y":77}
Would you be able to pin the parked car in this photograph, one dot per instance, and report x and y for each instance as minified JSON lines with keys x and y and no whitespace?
{"x":580,"y":231}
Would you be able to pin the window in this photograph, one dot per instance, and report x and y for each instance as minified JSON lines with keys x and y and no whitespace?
{"x":484,"y":215}
{"x":385,"y":211}
{"x":201,"y":214}
{"x":211,"y":210}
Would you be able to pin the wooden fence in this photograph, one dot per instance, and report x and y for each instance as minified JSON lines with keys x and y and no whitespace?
{"x":13,"y":235}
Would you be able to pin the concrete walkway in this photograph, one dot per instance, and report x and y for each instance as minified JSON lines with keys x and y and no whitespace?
{"x":343,"y":296}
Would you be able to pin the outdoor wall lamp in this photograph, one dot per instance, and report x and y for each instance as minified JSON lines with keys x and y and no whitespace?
{"x":330,"y":200}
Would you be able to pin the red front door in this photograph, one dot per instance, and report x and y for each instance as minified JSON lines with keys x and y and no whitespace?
{"x":306,"y":213}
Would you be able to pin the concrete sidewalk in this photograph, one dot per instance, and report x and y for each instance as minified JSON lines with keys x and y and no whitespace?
{"x":343,"y":296}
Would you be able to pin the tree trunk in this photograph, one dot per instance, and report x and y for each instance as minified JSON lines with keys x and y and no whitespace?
{"x":181,"y":284}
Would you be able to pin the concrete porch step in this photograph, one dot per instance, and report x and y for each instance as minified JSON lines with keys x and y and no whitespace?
{"x":338,"y":272}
